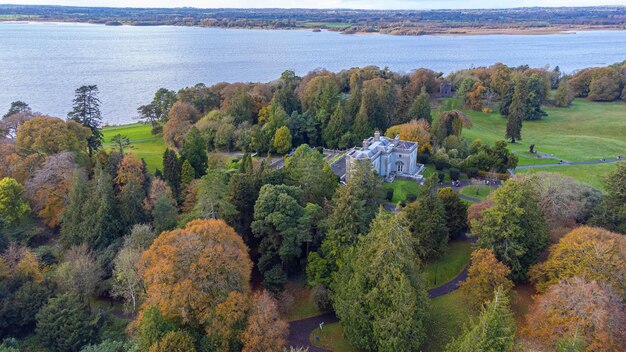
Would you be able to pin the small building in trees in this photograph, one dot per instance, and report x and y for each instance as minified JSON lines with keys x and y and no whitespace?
{"x":445,"y":89}
{"x":390,"y":158}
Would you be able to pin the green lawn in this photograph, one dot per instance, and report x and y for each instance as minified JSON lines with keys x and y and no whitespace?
{"x":402,"y":189}
{"x":592,"y":175}
{"x":525,"y":158}
{"x":303,"y":305}
{"x":331,"y":338}
{"x":445,"y":268}
{"x":585,"y":131}
{"x":144,"y":144}
{"x":448,"y":314}
{"x":476,"y":191}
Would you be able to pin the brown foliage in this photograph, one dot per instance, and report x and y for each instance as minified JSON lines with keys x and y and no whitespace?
{"x":131,"y":170}
{"x":484,"y":276}
{"x":589,"y":252}
{"x":575,"y":307}
{"x":179,"y":120}
{"x":20,"y":261}
{"x":193,"y":273}
{"x":158,"y":188}
{"x":48,"y":187}
{"x":474,"y":98}
{"x":265,"y":331}
{"x":51,"y":135}
{"x":17,"y":166}
{"x":474,"y":212}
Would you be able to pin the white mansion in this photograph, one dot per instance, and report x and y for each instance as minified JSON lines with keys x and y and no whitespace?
{"x":390,"y":158}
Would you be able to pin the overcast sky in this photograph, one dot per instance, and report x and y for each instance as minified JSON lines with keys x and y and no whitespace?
{"x":356,"y":4}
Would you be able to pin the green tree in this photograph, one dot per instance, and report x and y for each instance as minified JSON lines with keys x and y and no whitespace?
{"x":187,"y":174}
{"x":455,"y":210}
{"x":13,"y":206}
{"x":611,"y":214}
{"x":17,"y":107}
{"x":174,"y":341}
{"x":493,"y":332}
{"x":74,"y":226}
{"x":194,"y":150}
{"x":320,"y":96}
{"x":211,"y":199}
{"x":427,"y":223}
{"x":563,"y":97}
{"x":282,"y":140}
{"x":243,"y":191}
{"x":379,"y":296}
{"x":65,"y":324}
{"x":285,"y":95}
{"x":101,"y":213}
{"x":151,"y":328}
{"x":121,"y":142}
{"x":130,"y":203}
{"x":337,"y":126}
{"x":240,"y":105}
{"x":277,"y":212}
{"x":307,"y":169}
{"x":536,"y":97}
{"x":514,"y":227}
{"x":352,"y":209}
{"x":171,"y":171}
{"x":518,"y":110}
{"x":86,"y":111}
{"x":164,"y":214}
{"x":420,"y":109}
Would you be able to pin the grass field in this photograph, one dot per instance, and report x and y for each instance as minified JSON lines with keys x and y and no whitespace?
{"x":592,"y":175}
{"x":476,"y":191}
{"x":445,"y":268}
{"x":585,"y":131}
{"x":402,"y":189}
{"x":143,"y":143}
{"x":448,"y":314}
{"x":331,"y":338}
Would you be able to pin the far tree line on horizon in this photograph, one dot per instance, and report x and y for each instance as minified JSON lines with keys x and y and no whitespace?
{"x":201,"y":252}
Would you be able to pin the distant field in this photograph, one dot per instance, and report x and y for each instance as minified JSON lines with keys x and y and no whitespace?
{"x":144,"y":144}
{"x":325,"y":24}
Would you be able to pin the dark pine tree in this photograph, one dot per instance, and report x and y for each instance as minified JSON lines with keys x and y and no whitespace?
{"x":86,"y":111}
{"x":171,"y":171}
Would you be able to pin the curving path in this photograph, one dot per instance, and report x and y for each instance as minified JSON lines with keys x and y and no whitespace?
{"x":300,"y":331}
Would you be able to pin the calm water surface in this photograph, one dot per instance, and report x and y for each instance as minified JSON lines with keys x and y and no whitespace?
{"x":42,"y":63}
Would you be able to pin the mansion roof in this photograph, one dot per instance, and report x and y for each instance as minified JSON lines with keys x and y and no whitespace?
{"x":377,"y":144}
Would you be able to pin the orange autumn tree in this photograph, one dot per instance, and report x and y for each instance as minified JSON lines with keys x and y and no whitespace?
{"x":485,"y":275}
{"x":595,"y":253}
{"x":131,"y":170}
{"x":265,"y":330}
{"x":414,"y":131}
{"x":200,"y":276}
{"x":578,"y":310}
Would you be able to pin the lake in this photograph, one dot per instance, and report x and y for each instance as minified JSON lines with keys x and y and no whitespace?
{"x":42,"y":63}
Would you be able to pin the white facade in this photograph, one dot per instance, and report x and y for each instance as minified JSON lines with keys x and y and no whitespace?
{"x":389,"y":157}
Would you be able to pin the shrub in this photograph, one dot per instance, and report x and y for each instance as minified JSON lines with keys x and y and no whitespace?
{"x":274,"y":279}
{"x":424,"y":158}
{"x":389,"y":195}
{"x":321,"y":298}
{"x":471,"y":172}
{"x":441,"y":176}
{"x":454,"y":174}
{"x":411,"y":198}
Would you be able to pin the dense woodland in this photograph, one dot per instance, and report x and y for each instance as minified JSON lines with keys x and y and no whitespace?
{"x":200,"y":250}
{"x":402,"y":22}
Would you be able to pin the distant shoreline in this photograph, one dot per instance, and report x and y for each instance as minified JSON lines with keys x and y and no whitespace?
{"x":450,"y":32}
